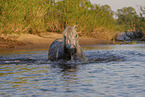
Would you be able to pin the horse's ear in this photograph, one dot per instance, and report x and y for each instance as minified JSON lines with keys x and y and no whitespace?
{"x":64,"y":25}
{"x":75,"y":25}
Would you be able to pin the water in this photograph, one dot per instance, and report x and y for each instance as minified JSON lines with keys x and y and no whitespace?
{"x":111,"y":71}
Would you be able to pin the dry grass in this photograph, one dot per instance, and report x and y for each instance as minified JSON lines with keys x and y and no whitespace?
{"x":40,"y":41}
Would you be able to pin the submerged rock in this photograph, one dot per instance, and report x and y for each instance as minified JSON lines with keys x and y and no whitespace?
{"x":129,"y":36}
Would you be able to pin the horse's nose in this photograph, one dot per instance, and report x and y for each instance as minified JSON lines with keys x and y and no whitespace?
{"x":72,"y":51}
{"x":72,"y":46}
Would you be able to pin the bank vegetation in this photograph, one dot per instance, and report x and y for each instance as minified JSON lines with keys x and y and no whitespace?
{"x":94,"y":20}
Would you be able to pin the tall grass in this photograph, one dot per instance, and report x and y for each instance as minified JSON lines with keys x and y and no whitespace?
{"x":21,"y":15}
{"x":35,"y":16}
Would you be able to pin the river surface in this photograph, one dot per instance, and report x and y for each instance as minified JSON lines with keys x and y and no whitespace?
{"x":111,"y":71}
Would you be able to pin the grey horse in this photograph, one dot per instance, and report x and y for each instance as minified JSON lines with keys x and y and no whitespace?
{"x":66,"y":48}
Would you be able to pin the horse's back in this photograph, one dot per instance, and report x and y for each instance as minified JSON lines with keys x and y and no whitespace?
{"x":55,"y":50}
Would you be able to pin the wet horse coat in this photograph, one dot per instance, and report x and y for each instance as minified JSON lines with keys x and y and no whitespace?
{"x":66,"y":48}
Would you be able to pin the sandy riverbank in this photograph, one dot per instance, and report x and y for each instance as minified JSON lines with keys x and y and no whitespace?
{"x":29,"y":41}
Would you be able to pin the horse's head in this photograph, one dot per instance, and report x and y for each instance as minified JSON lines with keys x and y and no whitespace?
{"x":70,"y":40}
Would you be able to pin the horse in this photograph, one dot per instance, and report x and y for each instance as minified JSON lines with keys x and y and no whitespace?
{"x":67,"y":47}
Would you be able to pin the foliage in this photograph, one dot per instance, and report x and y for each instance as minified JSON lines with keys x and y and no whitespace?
{"x":21,"y":15}
{"x":141,"y":21}
{"x":127,"y":17}
{"x":34,"y":16}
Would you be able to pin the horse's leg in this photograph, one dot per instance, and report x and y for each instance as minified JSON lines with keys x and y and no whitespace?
{"x":72,"y":58}
{"x":57,"y":53}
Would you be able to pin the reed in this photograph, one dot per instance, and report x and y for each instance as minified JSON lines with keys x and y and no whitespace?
{"x":35,"y":16}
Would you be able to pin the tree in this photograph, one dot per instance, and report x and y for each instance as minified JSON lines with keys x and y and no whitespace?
{"x":141,"y":24}
{"x":127,"y":16}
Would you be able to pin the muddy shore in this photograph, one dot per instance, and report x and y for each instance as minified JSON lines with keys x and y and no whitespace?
{"x":29,"y":41}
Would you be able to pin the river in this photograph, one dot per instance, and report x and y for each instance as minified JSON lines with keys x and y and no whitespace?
{"x":111,"y":71}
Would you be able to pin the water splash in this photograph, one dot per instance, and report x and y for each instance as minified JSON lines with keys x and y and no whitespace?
{"x":92,"y":56}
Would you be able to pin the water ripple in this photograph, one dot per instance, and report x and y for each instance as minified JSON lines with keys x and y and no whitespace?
{"x":107,"y":73}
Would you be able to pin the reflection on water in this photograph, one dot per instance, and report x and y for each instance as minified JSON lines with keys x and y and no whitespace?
{"x":138,"y":47}
{"x":111,"y":71}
